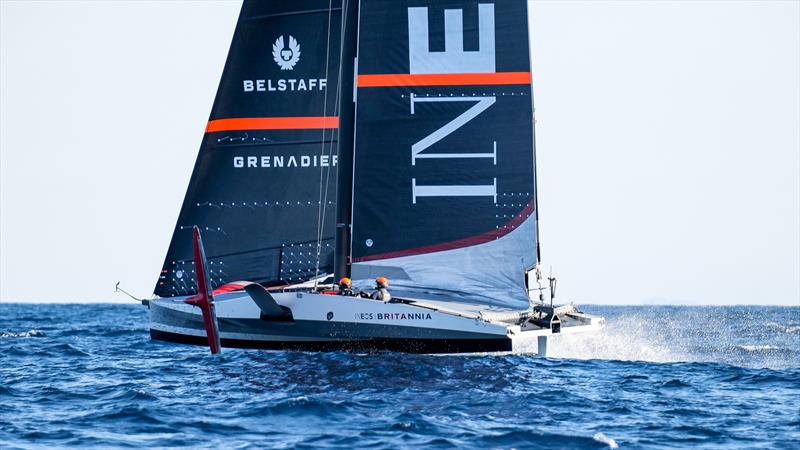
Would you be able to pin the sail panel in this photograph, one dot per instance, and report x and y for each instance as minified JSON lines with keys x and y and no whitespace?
{"x":443,"y":196}
{"x":263,"y":186}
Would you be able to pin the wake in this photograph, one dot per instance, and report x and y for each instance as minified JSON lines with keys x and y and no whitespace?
{"x":686,"y":334}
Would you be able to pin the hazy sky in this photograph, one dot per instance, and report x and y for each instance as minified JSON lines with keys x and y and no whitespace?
{"x":668,"y":141}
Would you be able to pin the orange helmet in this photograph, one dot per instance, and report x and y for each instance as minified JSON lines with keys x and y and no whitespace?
{"x":345,"y":282}
{"x":382,"y":282}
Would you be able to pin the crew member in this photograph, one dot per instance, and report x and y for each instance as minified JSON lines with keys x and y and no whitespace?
{"x":346,"y":287}
{"x":382,"y":290}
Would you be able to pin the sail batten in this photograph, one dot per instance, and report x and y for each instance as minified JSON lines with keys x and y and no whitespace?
{"x":273,"y":143}
{"x":295,"y":13}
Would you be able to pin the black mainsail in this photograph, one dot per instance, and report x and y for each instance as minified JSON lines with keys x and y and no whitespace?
{"x":263,"y":187}
{"x":443,"y":189}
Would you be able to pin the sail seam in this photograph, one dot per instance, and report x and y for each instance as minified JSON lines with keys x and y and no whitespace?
{"x":258,"y":250}
{"x":217,"y":146}
{"x":292,"y":13}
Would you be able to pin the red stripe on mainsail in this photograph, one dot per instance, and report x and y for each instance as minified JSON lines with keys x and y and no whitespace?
{"x":461,"y":243}
{"x":273,"y":123}
{"x":443,"y":79}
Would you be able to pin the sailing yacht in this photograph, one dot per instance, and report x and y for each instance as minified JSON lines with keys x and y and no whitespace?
{"x":364,"y":139}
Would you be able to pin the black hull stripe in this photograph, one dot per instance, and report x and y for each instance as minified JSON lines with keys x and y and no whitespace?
{"x":404,"y":345}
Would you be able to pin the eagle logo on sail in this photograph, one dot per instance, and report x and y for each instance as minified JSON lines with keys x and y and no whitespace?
{"x":286,"y":57}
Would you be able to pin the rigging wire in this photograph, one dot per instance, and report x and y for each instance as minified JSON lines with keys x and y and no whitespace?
{"x":321,"y":207}
{"x":323,"y":191}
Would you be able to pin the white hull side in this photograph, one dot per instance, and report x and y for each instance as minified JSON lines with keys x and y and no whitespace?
{"x":330,"y":322}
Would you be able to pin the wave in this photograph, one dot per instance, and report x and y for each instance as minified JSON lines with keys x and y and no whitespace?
{"x":534,"y":439}
{"x":789,"y":329}
{"x":712,"y":370}
{"x":628,"y":338}
{"x":758,"y":348}
{"x":600,"y":437}
{"x":22,"y":334}
{"x":671,"y":335}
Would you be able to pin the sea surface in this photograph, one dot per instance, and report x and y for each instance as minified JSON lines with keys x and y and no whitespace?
{"x":655,"y":377}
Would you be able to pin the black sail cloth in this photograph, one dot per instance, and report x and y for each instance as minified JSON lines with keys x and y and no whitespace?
{"x":443,"y":178}
{"x":263,"y":187}
{"x":443,"y":197}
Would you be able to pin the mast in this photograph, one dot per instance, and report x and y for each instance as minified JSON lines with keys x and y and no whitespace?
{"x":347,"y":107}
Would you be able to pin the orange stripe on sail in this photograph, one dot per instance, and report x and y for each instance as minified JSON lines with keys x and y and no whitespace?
{"x":443,"y":79}
{"x":272,"y":123}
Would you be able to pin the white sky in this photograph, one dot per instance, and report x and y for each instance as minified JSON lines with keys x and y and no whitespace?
{"x":668,"y":142}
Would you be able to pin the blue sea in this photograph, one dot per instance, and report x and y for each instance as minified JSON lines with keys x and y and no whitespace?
{"x":655,"y":377}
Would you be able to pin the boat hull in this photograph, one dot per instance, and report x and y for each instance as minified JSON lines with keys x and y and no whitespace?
{"x":321,"y":322}
{"x":328,"y":323}
{"x":405,"y":345}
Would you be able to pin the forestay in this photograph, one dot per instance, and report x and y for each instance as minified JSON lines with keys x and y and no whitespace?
{"x":443,"y":196}
{"x":262,"y":188}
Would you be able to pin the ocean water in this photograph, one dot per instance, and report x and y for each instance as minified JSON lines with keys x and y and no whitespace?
{"x":655,"y":377}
